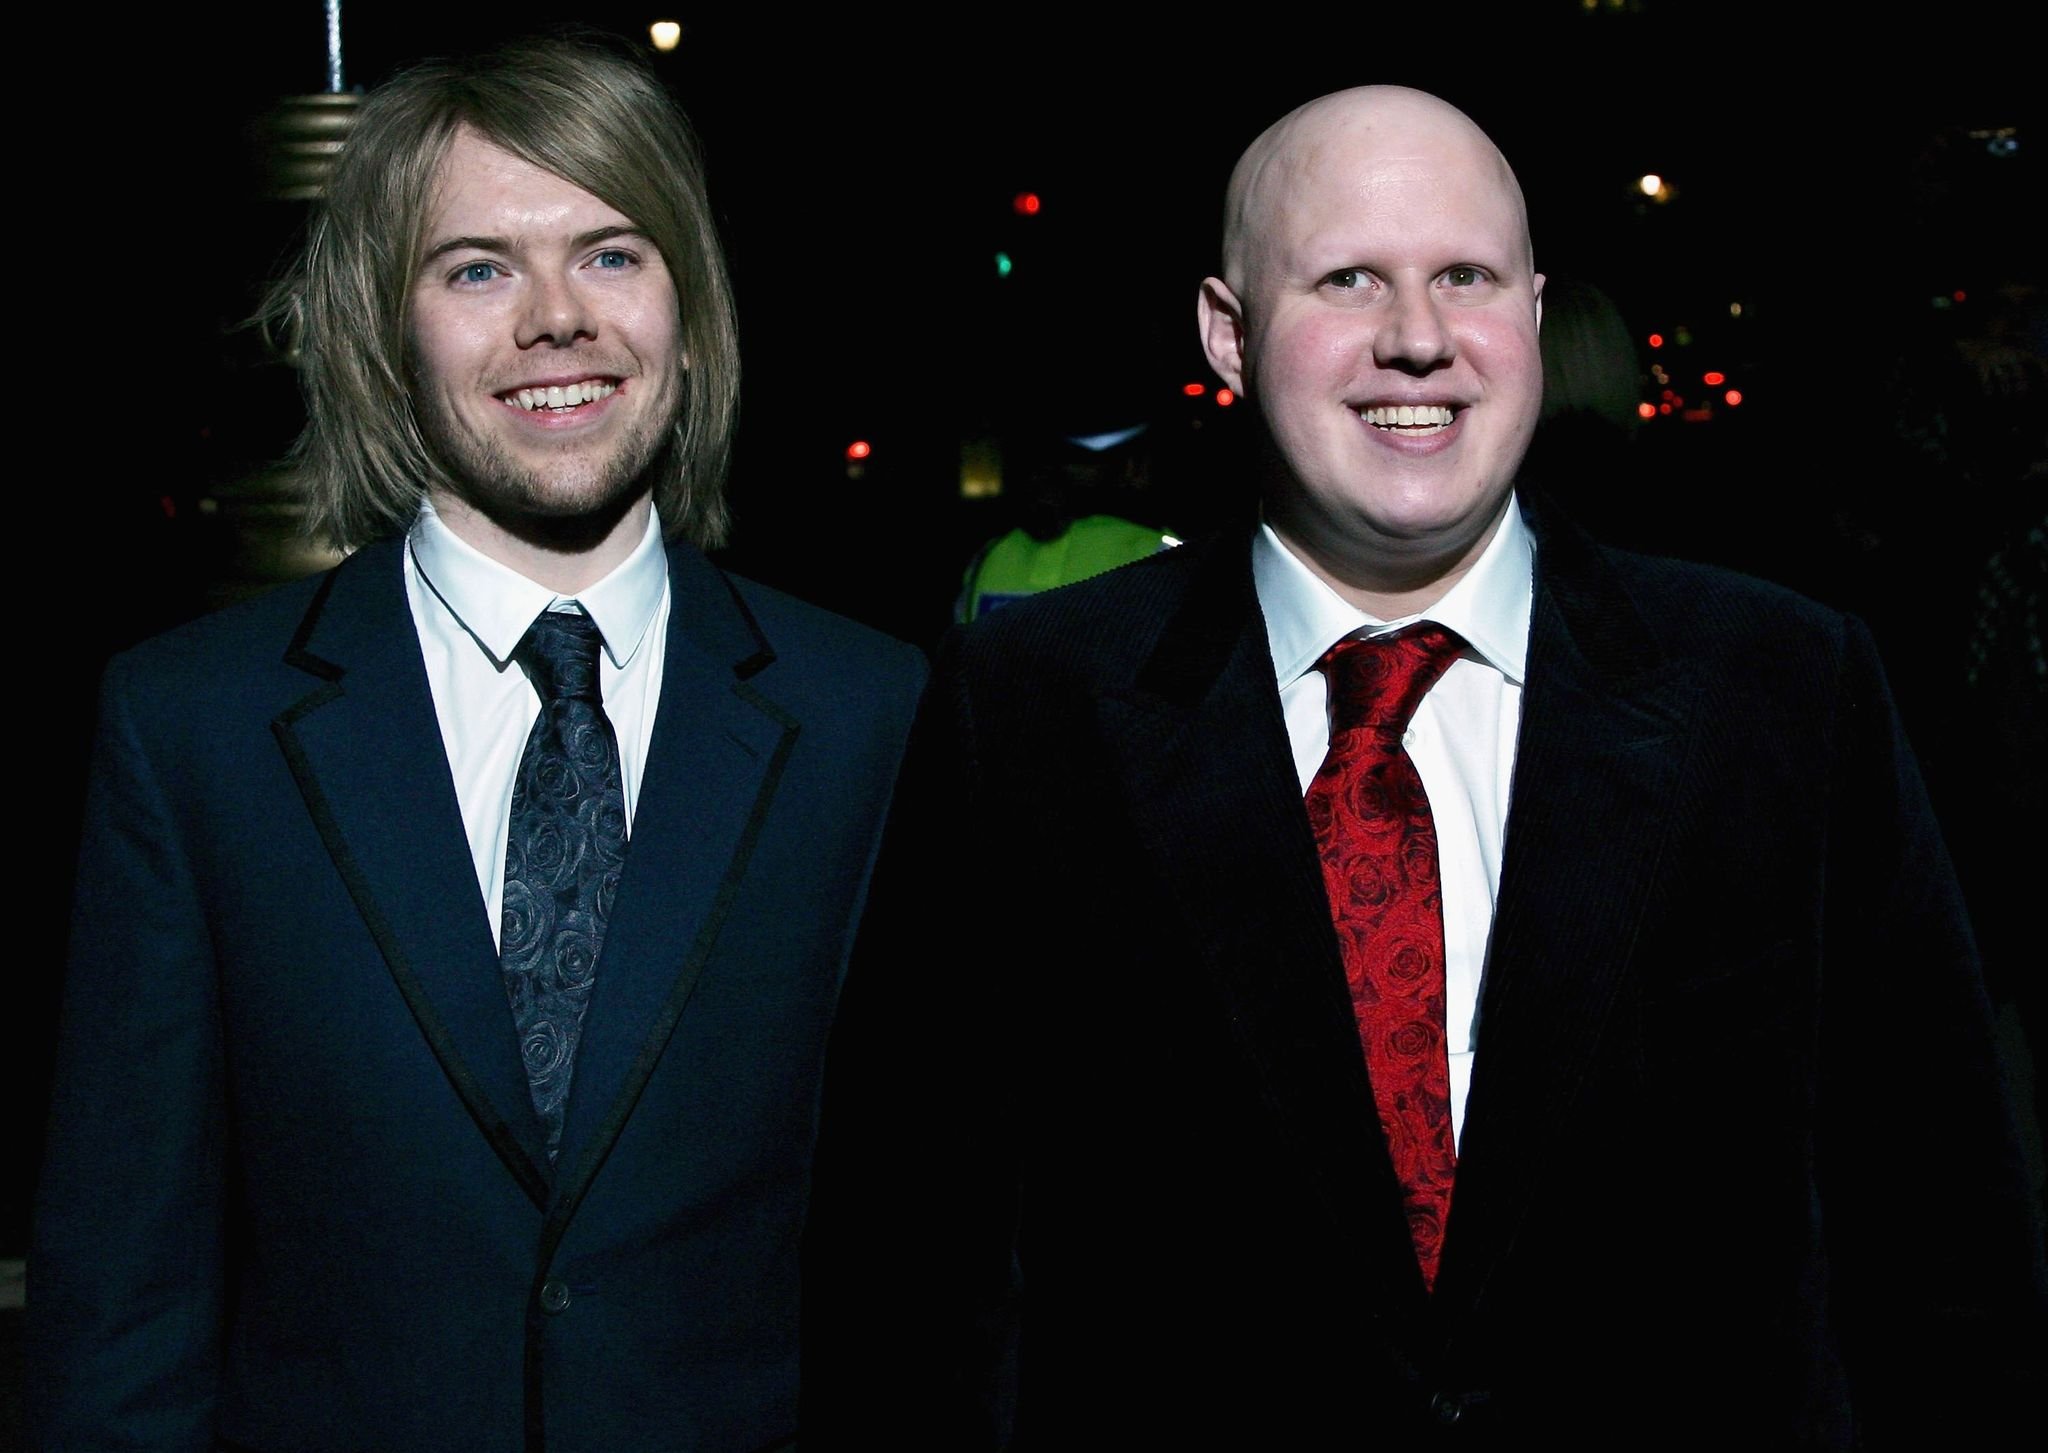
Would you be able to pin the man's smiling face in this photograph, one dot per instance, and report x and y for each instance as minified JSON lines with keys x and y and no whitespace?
{"x":545,"y":346}
{"x":1382,"y":313}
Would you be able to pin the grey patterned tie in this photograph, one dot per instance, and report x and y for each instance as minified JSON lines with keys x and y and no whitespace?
{"x":563,"y":855}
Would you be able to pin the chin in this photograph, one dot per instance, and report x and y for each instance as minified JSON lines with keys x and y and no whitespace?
{"x":1427,"y":512}
{"x":549,"y":490}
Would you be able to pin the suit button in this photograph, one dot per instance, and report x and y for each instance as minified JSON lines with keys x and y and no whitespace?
{"x":554,"y":1296}
{"x":1448,"y":1408}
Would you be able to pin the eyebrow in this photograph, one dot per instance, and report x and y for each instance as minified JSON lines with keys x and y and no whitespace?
{"x":504,"y":244}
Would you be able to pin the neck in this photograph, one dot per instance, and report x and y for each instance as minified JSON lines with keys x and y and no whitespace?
{"x":1386,"y":589}
{"x":1386,"y":576}
{"x":567,"y":554}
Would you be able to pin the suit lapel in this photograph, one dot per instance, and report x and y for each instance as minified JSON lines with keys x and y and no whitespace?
{"x":1213,"y":796}
{"x":1605,"y":729}
{"x":365,"y":747}
{"x":717,"y":753}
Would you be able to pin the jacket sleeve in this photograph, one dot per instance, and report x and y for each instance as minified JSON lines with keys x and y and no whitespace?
{"x":1938,"y":1289}
{"x":125,"y":1294}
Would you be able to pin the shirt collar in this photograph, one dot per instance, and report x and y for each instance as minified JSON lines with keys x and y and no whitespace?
{"x":495,"y":603}
{"x":1489,"y":606}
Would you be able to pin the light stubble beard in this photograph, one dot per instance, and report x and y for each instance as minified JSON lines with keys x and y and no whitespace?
{"x":568,"y":509}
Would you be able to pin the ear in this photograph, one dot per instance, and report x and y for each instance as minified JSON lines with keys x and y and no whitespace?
{"x":1539,"y":303}
{"x":1221,"y":320}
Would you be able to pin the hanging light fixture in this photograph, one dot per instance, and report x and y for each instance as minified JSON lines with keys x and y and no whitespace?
{"x":300,"y":136}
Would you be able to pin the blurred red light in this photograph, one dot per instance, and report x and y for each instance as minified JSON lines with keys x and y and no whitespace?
{"x":859,"y":449}
{"x":1026,"y":204}
{"x":1656,"y":340}
{"x":1194,"y":390}
{"x":1733,"y":397}
{"x":1647,"y":411}
{"x":1225,"y":398}
{"x":1960,"y":296}
{"x":1713,"y":380}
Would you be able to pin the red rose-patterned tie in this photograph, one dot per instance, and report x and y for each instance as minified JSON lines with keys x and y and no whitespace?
{"x":1378,"y":841}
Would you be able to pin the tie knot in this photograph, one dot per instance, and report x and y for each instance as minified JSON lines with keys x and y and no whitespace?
{"x":1380,"y":681}
{"x":559,"y":652}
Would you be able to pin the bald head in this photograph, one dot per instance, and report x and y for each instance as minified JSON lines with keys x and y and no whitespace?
{"x":1316,"y":147}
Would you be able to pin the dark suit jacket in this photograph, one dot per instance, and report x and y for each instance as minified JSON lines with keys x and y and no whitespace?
{"x":1736,"y":1169}
{"x":295,"y":1195}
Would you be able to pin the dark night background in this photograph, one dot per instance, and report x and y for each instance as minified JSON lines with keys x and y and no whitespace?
{"x":863,"y":168}
{"x":1832,"y":173}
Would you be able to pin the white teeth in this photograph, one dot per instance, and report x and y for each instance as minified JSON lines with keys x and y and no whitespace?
{"x":1407,"y":416}
{"x":560,"y":397}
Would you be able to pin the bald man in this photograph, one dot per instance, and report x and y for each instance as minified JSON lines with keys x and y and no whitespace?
{"x":1406,"y":973}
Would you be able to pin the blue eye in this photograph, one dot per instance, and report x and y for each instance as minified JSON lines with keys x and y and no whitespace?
{"x":613,"y":257}
{"x":476,"y":272}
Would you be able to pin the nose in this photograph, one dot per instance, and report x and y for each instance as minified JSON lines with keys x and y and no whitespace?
{"x":1414,"y":338}
{"x":555,"y":312}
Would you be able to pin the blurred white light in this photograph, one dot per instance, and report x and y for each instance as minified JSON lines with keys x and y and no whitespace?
{"x":1097,"y":443}
{"x":666,"y":34}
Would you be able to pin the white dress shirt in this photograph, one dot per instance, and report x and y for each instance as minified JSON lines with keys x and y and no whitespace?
{"x":470,"y":613}
{"x":1462,"y":739}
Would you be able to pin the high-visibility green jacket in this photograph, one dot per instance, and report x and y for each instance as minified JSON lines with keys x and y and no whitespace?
{"x":1017,"y":564}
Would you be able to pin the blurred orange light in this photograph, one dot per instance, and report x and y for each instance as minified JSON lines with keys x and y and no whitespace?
{"x":1733,"y":397}
{"x":1225,"y":398}
{"x":1193,"y":390}
{"x":1026,"y":204}
{"x":1647,"y":411}
{"x":859,"y":449}
{"x":1656,"y":340}
{"x":1713,"y":380}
